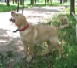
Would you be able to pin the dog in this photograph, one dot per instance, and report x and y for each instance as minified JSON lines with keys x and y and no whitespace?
{"x":35,"y":34}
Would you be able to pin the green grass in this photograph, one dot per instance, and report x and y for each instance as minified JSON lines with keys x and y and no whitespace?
{"x":4,"y":8}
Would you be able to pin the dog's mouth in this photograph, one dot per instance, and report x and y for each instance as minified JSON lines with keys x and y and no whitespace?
{"x":12,"y":20}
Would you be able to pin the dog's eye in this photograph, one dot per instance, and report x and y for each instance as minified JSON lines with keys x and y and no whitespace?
{"x":16,"y":14}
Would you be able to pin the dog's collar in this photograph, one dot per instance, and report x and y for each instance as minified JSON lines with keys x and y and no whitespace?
{"x":24,"y":28}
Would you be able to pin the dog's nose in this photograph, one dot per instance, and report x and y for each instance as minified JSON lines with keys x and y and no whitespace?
{"x":12,"y":20}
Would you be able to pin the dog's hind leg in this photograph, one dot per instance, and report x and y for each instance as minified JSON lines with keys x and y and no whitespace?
{"x":55,"y":43}
{"x":50,"y":49}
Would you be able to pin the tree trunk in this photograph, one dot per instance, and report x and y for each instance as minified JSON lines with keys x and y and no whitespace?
{"x":61,"y":1}
{"x":32,"y":2}
{"x":51,"y":1}
{"x":35,"y":1}
{"x":72,"y":6}
{"x":21,"y":2}
{"x":45,"y":1}
{"x":64,"y":0}
{"x":16,"y":1}
{"x":13,"y":1}
{"x":8,"y":3}
{"x":23,"y":7}
{"x":48,"y":1}
{"x":18,"y":6}
{"x":5,"y":0}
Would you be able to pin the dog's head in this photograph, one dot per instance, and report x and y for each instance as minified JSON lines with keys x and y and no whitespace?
{"x":63,"y":20}
{"x":18,"y":19}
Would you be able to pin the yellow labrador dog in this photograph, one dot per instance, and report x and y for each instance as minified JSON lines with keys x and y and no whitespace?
{"x":34,"y":34}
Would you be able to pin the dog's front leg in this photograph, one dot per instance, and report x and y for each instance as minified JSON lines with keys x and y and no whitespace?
{"x":30,"y":51}
{"x":25,"y":50}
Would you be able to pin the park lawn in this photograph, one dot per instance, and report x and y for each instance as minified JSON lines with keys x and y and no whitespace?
{"x":12,"y":7}
{"x":4,"y":8}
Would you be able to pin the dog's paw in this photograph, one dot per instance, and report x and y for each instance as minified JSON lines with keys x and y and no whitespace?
{"x":29,"y":59}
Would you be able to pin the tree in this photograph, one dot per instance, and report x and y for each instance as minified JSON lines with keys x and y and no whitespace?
{"x":21,"y":2}
{"x":72,"y":6}
{"x":32,"y":2}
{"x":8,"y":3}
{"x":18,"y":6}
{"x":48,"y":1}
{"x":51,"y":1}
{"x":23,"y":7}
{"x":45,"y":1}
{"x":35,"y":1}
{"x":5,"y":0}
{"x":61,"y":1}
{"x":13,"y":1}
{"x":64,"y":0}
{"x":16,"y":1}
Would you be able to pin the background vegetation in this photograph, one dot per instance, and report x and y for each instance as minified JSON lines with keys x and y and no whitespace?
{"x":5,"y":8}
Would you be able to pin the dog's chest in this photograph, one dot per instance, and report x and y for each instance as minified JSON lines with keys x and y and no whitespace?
{"x":28,"y":35}
{"x":35,"y":35}
{"x":26,"y":32}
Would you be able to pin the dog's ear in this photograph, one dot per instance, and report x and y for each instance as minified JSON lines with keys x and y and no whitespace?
{"x":12,"y":12}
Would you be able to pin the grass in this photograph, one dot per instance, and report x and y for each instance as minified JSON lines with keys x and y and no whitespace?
{"x":67,"y":38}
{"x":5,"y":8}
{"x":12,"y":7}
